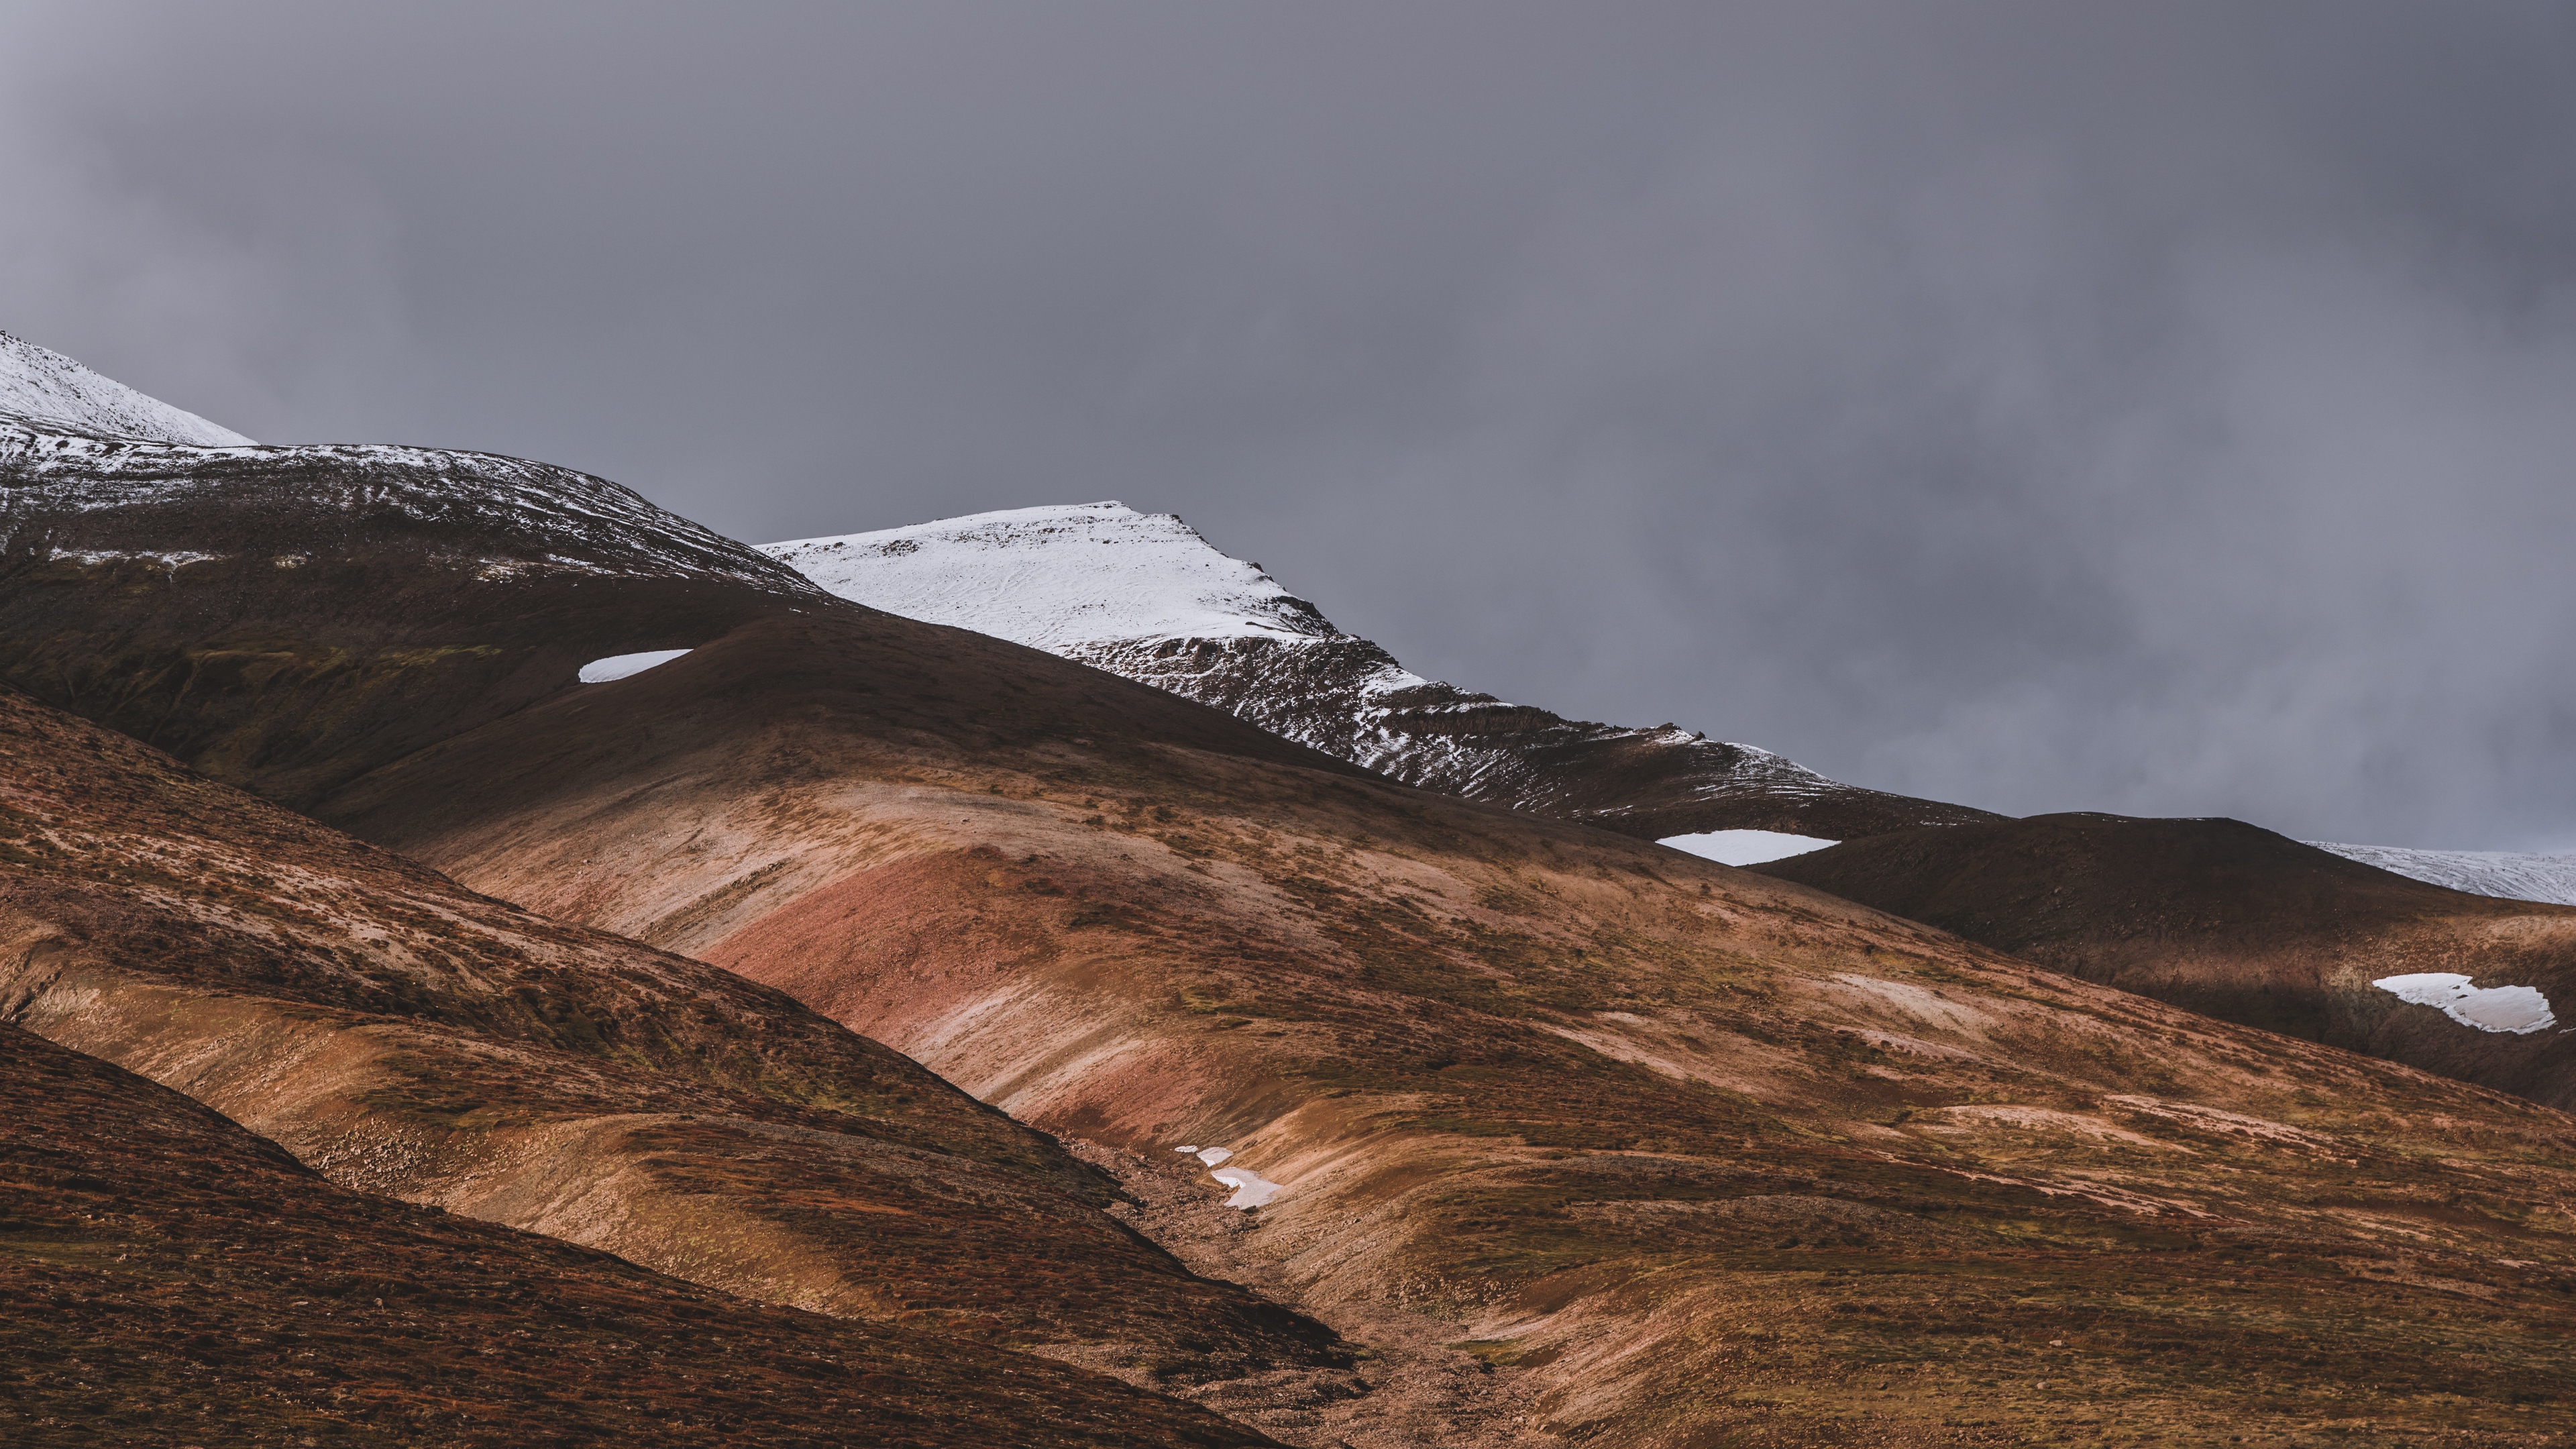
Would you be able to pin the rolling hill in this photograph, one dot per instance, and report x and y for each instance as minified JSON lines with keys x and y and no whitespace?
{"x":2237,"y":922}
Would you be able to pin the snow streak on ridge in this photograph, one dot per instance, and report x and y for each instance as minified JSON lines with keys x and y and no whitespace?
{"x":498,"y":516}
{"x":2514,"y":877}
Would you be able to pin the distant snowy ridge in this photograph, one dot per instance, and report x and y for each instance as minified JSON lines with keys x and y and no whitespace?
{"x":2547,"y":878}
{"x":1058,"y":578}
{"x":1144,"y":596}
{"x":48,"y":390}
{"x":496,"y":517}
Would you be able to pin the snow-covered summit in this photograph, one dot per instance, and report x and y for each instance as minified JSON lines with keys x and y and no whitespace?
{"x":1058,"y":578}
{"x":1142,"y":595}
{"x":43,"y":388}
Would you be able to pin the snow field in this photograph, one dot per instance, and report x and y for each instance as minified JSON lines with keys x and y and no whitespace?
{"x":2519,"y":1010}
{"x":1251,"y":1189}
{"x":1057,"y":578}
{"x":621,"y":666}
{"x":1745,"y":847}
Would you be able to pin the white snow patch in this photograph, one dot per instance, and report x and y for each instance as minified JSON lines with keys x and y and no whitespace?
{"x":1215,"y":1156}
{"x":619,"y":666}
{"x":1251,"y":1189}
{"x":43,"y":387}
{"x":2520,"y":1010}
{"x":1058,"y":577}
{"x":1190,"y":1149}
{"x":1745,"y":847}
{"x":2510,"y":875}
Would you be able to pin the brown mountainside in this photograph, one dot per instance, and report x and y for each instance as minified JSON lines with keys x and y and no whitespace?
{"x":407,"y":1037}
{"x":1683,"y":1153}
{"x":168,"y":1278}
{"x":2232,"y":920}
{"x":1686,"y":1152}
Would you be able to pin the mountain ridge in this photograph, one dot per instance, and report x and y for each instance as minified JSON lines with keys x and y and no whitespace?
{"x":1586,"y":1140}
{"x":45,"y":389}
{"x":1145,"y":597}
{"x":2233,"y":921}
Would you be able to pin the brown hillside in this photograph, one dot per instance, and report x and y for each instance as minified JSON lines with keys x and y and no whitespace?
{"x":408,"y":1037}
{"x":1685,"y":1151}
{"x":1685,"y":1155}
{"x":2234,"y":921}
{"x":171,"y":1279}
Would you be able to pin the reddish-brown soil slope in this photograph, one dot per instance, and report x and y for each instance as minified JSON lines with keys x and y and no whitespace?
{"x":409,"y":1037}
{"x":2235,"y":921}
{"x":167,"y":1278}
{"x":1684,"y":1152}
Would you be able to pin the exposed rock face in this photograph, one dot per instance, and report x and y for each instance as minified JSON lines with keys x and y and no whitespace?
{"x":2232,"y":920}
{"x":169,"y":1278}
{"x":1145,"y":597}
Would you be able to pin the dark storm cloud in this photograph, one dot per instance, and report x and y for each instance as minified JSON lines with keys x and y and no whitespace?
{"x":2168,"y":409}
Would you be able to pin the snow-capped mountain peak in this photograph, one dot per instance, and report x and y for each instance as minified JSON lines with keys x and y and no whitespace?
{"x":1142,"y":595}
{"x":47,"y":390}
{"x":1058,"y":578}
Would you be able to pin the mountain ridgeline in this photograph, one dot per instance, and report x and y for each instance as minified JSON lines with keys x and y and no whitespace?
{"x":1143,"y":596}
{"x":906,"y":974}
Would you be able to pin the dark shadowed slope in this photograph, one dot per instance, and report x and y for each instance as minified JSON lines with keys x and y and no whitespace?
{"x":167,"y":1278}
{"x":288,"y":618}
{"x":2232,"y":920}
{"x":408,"y":1037}
{"x":1144,"y":596}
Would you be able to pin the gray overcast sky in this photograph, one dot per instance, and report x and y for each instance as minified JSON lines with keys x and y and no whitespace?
{"x":2160,"y":408}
